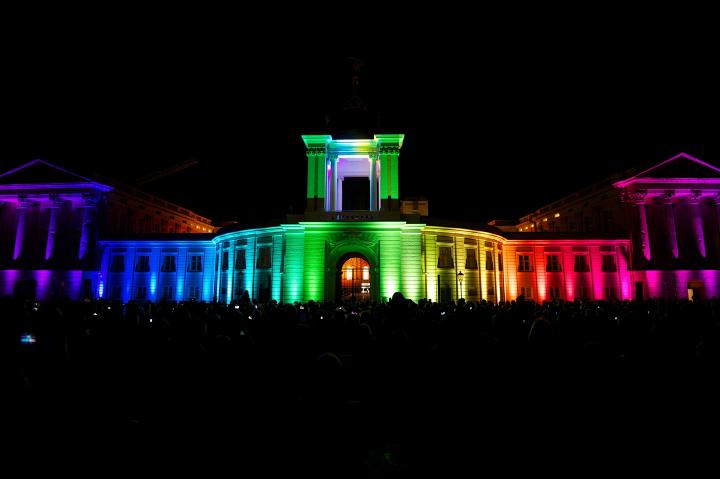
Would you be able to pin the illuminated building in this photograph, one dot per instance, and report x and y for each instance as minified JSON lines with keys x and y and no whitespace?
{"x":647,"y":234}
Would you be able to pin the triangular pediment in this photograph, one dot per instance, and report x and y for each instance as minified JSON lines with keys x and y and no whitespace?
{"x":42,"y":173}
{"x":681,"y":166}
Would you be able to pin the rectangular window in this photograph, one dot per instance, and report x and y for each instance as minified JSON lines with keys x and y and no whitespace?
{"x":168,"y":264}
{"x":225,"y":260}
{"x":554,"y":293}
{"x":553,"y":264}
{"x":581,"y":264}
{"x":239,"y":285}
{"x":608,"y":263}
{"x":143,"y":264}
{"x":445,"y":259}
{"x":195,"y":263}
{"x":115,"y":294}
{"x":524,"y":263}
{"x":141,"y":292}
{"x":610,"y":293}
{"x":500,"y":263}
{"x":264,"y":258}
{"x":526,"y":292}
{"x":489,"y":261}
{"x":582,"y":292}
{"x":470,"y":259}
{"x":194,"y":292}
{"x":118,"y":264}
{"x":167,"y":292}
{"x":240,"y":259}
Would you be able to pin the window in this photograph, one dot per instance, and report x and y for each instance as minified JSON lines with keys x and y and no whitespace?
{"x":225,"y":260}
{"x":240,"y":259}
{"x":553,"y":264}
{"x":195,"y":263}
{"x":470,"y":259}
{"x":500,"y":263}
{"x":168,"y":264}
{"x":263,"y":259}
{"x":489,"y":261}
{"x":554,"y":293}
{"x":610,"y":293}
{"x":524,"y":263}
{"x":194,"y":292}
{"x":115,"y":293}
{"x":118,"y":264}
{"x":445,"y":259}
{"x":581,"y":264}
{"x":141,"y":292}
{"x":143,"y":264}
{"x":491,"y":291}
{"x":167,"y":292}
{"x":526,"y":291}
{"x":608,"y":263}
{"x":582,"y":292}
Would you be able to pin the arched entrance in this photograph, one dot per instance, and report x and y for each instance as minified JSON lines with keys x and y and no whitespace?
{"x":354,"y":278}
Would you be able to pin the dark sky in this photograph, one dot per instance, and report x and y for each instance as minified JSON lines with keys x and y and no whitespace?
{"x":500,"y":116}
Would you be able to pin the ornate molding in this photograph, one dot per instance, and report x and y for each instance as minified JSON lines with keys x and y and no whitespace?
{"x":317,"y":151}
{"x":695,"y":196}
{"x":667,"y":197}
{"x":633,"y":197}
{"x":348,"y":238}
{"x":385,"y":150}
{"x":24,"y":202}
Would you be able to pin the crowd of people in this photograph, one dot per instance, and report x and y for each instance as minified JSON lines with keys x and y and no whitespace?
{"x":357,"y":389}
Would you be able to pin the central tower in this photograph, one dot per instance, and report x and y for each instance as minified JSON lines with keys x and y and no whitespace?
{"x":352,"y":175}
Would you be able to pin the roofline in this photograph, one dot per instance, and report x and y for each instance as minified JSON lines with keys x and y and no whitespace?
{"x":628,"y":181}
{"x":100,"y":186}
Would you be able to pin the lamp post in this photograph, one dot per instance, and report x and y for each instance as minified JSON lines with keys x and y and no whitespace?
{"x":460,"y":280}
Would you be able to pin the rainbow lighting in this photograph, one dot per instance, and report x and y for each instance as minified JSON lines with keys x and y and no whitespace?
{"x":654,"y":234}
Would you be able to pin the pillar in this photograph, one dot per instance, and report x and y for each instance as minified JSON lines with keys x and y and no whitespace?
{"x":88,"y":225}
{"x":333,"y":183}
{"x":55,"y":205}
{"x":373,"y":183}
{"x":697,"y":222}
{"x":22,"y":209}
{"x":644,"y":234}
{"x":636,"y":202}
{"x":670,"y":222}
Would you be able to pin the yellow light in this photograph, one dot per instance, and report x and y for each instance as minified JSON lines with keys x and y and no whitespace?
{"x":545,"y":220}
{"x":348,"y":274}
{"x":557,"y":215}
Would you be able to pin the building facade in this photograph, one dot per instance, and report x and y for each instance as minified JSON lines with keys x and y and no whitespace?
{"x":654,"y":233}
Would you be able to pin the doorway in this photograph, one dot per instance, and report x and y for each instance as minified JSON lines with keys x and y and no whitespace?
{"x":354,"y":278}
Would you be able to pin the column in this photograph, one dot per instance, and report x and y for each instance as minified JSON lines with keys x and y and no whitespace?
{"x":340,"y":181}
{"x":697,"y":222}
{"x":636,"y":200}
{"x":333,"y":183}
{"x":644,"y":238}
{"x":373,"y":182}
{"x":667,"y":199}
{"x":22,"y":209}
{"x":86,"y":236}
{"x":55,"y":204}
{"x":383,"y":179}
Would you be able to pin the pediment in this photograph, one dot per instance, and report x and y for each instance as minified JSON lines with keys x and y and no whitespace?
{"x":41,"y":172}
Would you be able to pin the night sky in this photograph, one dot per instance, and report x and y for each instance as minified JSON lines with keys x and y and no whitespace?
{"x":500,"y":117}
